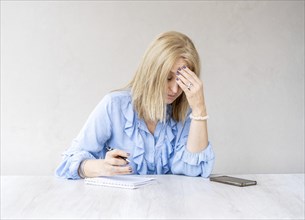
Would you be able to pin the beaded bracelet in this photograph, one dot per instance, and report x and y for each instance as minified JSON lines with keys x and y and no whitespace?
{"x":199,"y":118}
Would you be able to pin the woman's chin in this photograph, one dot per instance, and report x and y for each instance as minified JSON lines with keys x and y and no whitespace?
{"x":170,"y":101}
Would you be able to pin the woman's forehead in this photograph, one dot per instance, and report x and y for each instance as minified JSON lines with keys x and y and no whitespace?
{"x":179,"y":63}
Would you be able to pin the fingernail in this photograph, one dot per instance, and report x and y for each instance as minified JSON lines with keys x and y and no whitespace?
{"x":179,"y":68}
{"x":177,"y":73}
{"x":128,"y":154}
{"x":177,"y":79}
{"x":184,"y":67}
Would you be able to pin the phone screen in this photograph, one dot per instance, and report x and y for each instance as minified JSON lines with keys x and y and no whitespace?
{"x":233,"y":181}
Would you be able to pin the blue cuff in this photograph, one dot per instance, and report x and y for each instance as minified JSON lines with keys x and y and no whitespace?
{"x":69,"y":167}
{"x":194,"y":164}
{"x":197,"y":158}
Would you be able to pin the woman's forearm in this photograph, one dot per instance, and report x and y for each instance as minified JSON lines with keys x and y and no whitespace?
{"x":90,"y":168}
{"x":198,"y":134}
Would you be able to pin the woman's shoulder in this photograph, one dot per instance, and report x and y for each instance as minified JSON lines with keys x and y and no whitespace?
{"x":119,"y":94}
{"x":118,"y":97}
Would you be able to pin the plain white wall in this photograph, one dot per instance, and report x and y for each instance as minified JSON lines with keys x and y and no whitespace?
{"x":59,"y":58}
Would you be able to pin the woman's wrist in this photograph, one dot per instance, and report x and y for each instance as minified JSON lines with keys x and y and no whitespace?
{"x":90,"y":168}
{"x":81,"y":169}
{"x":199,"y":112}
{"x":96,"y":167}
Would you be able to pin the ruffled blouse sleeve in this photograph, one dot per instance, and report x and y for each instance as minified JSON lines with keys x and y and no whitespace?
{"x":188,"y":163}
{"x":90,"y":142}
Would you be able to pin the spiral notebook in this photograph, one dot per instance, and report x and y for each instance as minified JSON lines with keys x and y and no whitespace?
{"x":121,"y":181}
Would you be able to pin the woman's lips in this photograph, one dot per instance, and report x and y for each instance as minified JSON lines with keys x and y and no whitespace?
{"x":171,"y":96}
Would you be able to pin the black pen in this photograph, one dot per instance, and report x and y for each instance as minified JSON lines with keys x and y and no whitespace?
{"x":124,"y":158}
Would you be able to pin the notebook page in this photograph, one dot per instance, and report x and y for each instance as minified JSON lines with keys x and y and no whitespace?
{"x":121,"y":181}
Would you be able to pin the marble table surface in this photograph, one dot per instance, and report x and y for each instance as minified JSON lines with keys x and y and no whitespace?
{"x":276,"y":196}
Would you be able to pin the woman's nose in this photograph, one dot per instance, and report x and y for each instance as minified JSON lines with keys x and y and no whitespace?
{"x":174,"y":87}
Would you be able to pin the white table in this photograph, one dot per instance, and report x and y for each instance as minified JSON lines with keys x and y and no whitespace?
{"x":277,"y":196}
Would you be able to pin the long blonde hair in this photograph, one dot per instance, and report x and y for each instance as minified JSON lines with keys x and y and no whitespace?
{"x":148,"y":87}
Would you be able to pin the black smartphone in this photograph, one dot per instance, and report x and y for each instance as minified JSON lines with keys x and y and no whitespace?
{"x":233,"y":181}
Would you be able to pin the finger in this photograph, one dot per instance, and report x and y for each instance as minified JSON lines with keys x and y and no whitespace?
{"x":182,"y":85}
{"x":121,"y":170}
{"x":125,"y":170}
{"x":190,"y":73}
{"x":186,"y":81}
{"x":116,"y":161}
{"x":117,"y":153}
{"x":187,"y":76}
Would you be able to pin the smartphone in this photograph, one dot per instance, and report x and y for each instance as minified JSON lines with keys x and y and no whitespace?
{"x":233,"y":181}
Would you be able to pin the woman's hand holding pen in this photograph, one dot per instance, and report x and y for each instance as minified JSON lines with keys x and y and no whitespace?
{"x":114,"y":164}
{"x":193,"y":89}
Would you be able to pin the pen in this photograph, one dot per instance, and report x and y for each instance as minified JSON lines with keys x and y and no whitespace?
{"x":110,"y":149}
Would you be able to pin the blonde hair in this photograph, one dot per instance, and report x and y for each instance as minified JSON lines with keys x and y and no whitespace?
{"x":148,"y":87}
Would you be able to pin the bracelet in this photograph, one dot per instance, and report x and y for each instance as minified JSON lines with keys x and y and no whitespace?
{"x":199,"y":118}
{"x":81,"y":171}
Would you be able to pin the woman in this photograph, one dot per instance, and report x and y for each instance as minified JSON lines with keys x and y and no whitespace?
{"x":156,"y":125}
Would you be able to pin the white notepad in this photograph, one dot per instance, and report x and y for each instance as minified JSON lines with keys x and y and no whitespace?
{"x":121,"y":181}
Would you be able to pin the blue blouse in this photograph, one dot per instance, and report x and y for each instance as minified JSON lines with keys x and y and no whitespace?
{"x":115,"y":123}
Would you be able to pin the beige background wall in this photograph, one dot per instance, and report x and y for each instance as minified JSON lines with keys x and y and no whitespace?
{"x":59,"y":58}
